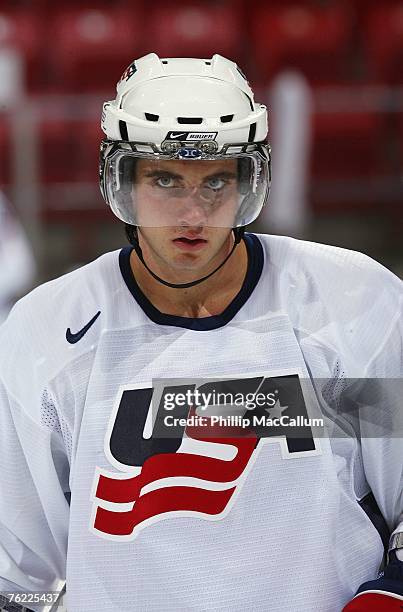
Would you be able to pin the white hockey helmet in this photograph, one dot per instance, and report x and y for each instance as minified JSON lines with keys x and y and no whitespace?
{"x":184,"y":109}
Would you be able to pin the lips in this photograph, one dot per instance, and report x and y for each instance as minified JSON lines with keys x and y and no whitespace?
{"x":185,"y":242}
{"x":189,"y":240}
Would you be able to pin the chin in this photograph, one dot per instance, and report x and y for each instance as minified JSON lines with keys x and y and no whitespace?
{"x":185,"y":263}
{"x":188,"y":261}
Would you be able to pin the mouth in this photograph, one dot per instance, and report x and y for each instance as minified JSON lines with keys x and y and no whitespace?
{"x":189,"y":244}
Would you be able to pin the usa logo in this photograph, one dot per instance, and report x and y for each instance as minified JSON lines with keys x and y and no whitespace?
{"x":190,"y":471}
{"x":130,"y":70}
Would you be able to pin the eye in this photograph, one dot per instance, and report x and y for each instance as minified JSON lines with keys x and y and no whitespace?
{"x":215,"y":183}
{"x":165,"y":181}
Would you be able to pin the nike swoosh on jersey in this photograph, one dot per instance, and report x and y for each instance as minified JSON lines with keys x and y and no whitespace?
{"x":73,"y":338}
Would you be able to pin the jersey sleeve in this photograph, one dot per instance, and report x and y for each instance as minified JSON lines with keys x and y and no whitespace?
{"x":381,"y":420}
{"x":34,"y":511}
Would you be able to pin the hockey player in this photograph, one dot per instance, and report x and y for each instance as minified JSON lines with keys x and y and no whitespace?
{"x":98,"y":490}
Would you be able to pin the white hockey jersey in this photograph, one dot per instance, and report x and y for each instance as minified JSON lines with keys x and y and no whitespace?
{"x":188,"y":523}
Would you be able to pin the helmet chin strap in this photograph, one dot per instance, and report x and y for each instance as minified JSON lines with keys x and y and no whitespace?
{"x":132,"y":234}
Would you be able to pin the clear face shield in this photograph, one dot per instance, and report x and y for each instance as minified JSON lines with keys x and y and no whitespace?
{"x":186,"y":186}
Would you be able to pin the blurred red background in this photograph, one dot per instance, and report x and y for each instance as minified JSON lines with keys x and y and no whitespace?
{"x":73,"y":53}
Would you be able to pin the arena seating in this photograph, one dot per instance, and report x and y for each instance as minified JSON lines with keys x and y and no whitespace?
{"x":57,"y":152}
{"x":68,"y":161}
{"x":23,"y":30}
{"x":383,"y":42}
{"x":71,"y":48}
{"x":191,"y":29}
{"x":91,"y":46}
{"x":347,"y":144}
{"x":89,"y":136}
{"x":314,"y":40}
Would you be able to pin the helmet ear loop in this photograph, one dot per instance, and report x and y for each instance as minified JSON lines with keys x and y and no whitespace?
{"x":243,"y":176}
{"x":131,"y":234}
{"x":127,"y":168}
{"x":244,"y":188}
{"x":247,"y":187}
{"x":239,"y":233}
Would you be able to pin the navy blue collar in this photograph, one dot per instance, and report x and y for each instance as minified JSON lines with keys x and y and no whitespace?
{"x":253,"y":274}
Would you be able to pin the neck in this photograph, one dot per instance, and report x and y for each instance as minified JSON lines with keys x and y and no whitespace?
{"x":208,"y":298}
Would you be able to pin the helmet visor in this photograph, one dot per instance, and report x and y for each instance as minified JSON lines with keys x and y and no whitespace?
{"x":152,"y":190}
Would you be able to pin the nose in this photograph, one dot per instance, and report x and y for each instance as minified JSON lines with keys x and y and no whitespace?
{"x":191,"y":210}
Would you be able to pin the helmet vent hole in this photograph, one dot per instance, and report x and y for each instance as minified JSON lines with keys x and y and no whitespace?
{"x":164,"y":61}
{"x":190,"y":120}
{"x":226,"y":118}
{"x":151,"y":117}
{"x":208,"y":63}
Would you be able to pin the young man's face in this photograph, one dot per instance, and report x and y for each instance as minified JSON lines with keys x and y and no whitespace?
{"x":186,"y":209}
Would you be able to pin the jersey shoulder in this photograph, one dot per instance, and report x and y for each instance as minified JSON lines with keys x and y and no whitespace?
{"x":332,"y":270}
{"x":61,"y":318}
{"x":337,"y":298}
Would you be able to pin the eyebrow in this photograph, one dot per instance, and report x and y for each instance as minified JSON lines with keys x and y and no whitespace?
{"x":223,"y":174}
{"x":154,"y":173}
